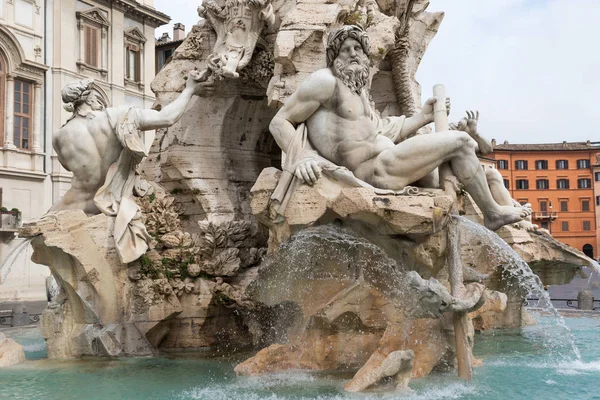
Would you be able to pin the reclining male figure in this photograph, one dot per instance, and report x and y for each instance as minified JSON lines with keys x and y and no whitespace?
{"x":342,"y":127}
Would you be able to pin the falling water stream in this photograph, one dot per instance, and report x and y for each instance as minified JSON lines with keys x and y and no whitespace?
{"x":13,"y":256}
{"x":556,"y":335}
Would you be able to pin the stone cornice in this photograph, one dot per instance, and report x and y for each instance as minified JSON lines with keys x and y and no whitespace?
{"x":148,"y":14}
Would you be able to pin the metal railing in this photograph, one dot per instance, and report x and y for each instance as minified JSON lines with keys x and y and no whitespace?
{"x":10,"y":221}
{"x":571,"y":303}
{"x":545,"y":215}
{"x":7,"y":317}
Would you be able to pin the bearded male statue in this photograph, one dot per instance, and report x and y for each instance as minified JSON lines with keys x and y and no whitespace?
{"x":102,"y":147}
{"x":328,"y":125}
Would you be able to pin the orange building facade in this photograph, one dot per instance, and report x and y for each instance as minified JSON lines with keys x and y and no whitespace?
{"x":562,"y":183}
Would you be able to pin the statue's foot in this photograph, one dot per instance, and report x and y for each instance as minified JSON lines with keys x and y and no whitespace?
{"x":528,"y":226}
{"x":506,"y":215}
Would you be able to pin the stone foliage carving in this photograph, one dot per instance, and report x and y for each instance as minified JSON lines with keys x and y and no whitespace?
{"x":181,"y":263}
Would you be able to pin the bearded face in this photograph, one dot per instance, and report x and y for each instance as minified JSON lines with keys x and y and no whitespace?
{"x":351,"y":65}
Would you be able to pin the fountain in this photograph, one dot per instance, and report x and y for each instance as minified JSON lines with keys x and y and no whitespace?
{"x":327,"y":258}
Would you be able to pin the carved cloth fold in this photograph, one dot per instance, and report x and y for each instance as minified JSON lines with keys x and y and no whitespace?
{"x":300,"y":150}
{"x":115,"y":197}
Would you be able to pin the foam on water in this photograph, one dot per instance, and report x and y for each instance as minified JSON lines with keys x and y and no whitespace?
{"x":457,"y":390}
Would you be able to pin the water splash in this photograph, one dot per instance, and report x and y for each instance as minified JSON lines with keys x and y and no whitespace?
{"x":13,"y":256}
{"x":553,"y":331}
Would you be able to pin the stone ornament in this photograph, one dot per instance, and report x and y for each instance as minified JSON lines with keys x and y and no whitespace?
{"x":238,"y":25}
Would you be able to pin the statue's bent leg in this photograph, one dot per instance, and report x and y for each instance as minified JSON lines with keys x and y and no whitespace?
{"x":496,"y":184}
{"x":419,"y":155}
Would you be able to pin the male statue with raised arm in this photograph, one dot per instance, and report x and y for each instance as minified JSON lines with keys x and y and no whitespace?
{"x":334,"y":105}
{"x":102,"y":147}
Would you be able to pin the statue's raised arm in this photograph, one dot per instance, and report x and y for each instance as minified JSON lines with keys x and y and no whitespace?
{"x":102,"y":147}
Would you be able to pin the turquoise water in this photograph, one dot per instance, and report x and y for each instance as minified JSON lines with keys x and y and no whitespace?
{"x":516,"y":366}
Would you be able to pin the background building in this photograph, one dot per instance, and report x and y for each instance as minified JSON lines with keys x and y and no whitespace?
{"x":558,"y":180}
{"x":165,"y":46}
{"x":43,"y":46}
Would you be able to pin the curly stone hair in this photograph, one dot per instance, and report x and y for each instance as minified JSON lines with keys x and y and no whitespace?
{"x":76,"y":93}
{"x":337,"y":37}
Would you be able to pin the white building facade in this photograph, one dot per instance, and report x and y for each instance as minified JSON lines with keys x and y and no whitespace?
{"x":45,"y":45}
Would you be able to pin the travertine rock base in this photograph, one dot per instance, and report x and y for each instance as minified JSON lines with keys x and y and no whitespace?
{"x":11,"y":352}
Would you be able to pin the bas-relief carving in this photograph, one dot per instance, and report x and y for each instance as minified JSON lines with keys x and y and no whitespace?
{"x":102,"y":147}
{"x":330,"y":120}
{"x":238,"y":25}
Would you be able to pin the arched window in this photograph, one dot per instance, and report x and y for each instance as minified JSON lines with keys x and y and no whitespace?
{"x":2,"y":96}
{"x":588,"y":250}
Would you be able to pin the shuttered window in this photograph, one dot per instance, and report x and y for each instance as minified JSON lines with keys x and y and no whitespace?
{"x":91,"y":39}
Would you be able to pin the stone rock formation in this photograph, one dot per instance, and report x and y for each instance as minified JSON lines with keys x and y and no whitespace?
{"x":11,"y":352}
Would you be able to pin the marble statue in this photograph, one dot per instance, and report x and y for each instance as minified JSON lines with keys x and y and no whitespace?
{"x":102,"y":146}
{"x":494,"y":179}
{"x":329,"y":119}
{"x":238,"y":26}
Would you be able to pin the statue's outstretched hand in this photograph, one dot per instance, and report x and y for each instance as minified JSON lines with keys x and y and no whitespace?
{"x":472,"y":119}
{"x":308,"y":172}
{"x":200,"y":82}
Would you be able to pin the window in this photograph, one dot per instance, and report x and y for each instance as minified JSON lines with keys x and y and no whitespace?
{"x":597,"y":176}
{"x":521,"y":164}
{"x":22,"y":113}
{"x":565,"y":226}
{"x":587,"y":226}
{"x":562,"y":183}
{"x":541,"y":164}
{"x":92,"y":30}
{"x":506,"y":183}
{"x":543,"y":206}
{"x":584,"y":183}
{"x":598,"y":200}
{"x":544,"y":225}
{"x":562,"y":164}
{"x":522,"y":184}
{"x":134,"y":56}
{"x":502,"y":164}
{"x":132,"y":63}
{"x":542,"y":184}
{"x":523,"y":201}
{"x":583,"y":164}
{"x":585,"y":205}
{"x":90,"y":40}
{"x":564,"y":206}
